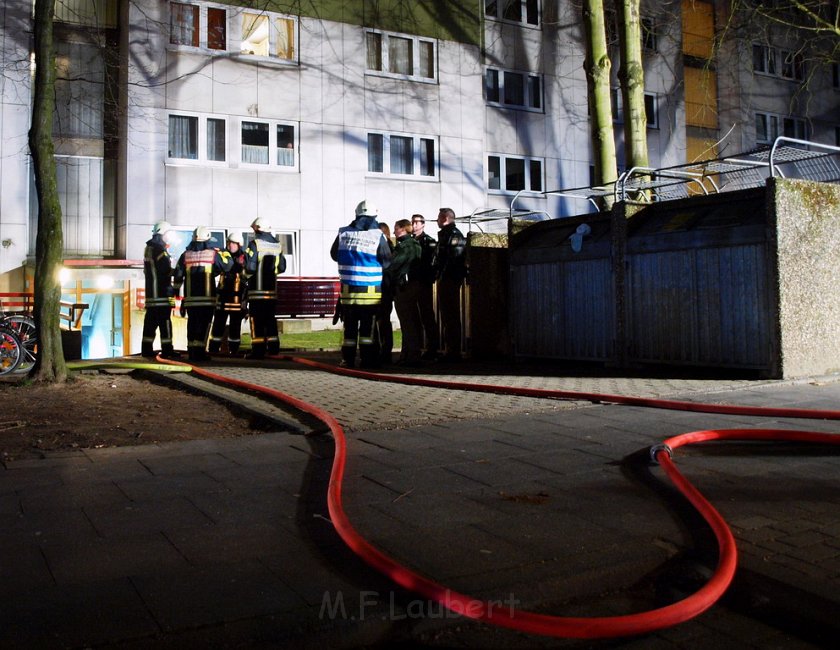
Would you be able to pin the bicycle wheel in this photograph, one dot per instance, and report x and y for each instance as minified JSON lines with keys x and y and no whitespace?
{"x":24,"y":328}
{"x":11,"y":351}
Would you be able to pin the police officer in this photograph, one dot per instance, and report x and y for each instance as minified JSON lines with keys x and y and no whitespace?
{"x":264,"y":261}
{"x":362,"y":252}
{"x":451,"y":270}
{"x":197,"y":269}
{"x":160,"y":294}
{"x":426,"y":286}
{"x":230,"y":299}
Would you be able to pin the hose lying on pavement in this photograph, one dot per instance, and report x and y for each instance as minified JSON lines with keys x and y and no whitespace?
{"x":543,"y":624}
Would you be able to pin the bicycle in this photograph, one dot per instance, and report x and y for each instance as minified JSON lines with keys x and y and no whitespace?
{"x":11,"y":351}
{"x":23,"y":327}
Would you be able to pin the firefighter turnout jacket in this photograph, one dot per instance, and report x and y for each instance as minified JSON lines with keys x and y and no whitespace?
{"x":362,"y":252}
{"x":157,"y":268}
{"x":264,"y":261}
{"x":197,"y":269}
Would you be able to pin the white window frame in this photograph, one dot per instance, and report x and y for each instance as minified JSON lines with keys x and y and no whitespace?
{"x":502,"y":102}
{"x":776,"y":125}
{"x":233,"y":32}
{"x":201,"y":126}
{"x":503,"y":162}
{"x":773,"y":61}
{"x":384,"y":56}
{"x":417,"y":144}
{"x":495,"y":10}
{"x":651,"y":121}
{"x":273,"y":163}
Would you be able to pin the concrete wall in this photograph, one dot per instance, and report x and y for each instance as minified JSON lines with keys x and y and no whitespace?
{"x":805,"y":219}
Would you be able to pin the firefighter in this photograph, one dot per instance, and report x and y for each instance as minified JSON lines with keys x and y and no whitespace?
{"x":160,"y":294}
{"x":230,"y":299}
{"x":264,"y":261}
{"x":197,"y":269}
{"x":362,"y":253}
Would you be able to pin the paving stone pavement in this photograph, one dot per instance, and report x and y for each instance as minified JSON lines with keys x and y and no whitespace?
{"x":549,"y":504}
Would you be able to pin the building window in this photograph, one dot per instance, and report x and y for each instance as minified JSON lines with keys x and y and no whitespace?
{"x":837,"y":136}
{"x":183,"y":137}
{"x":402,"y":155}
{"x":518,"y":11}
{"x":400,"y":55}
{"x":513,"y":89}
{"x":514,"y":173}
{"x":835,"y":75}
{"x":212,"y":27}
{"x":183,"y":24}
{"x":778,"y":62}
{"x":258,"y":147}
{"x":648,"y":26}
{"x":216,"y":149}
{"x":651,"y":108}
{"x":769,"y":126}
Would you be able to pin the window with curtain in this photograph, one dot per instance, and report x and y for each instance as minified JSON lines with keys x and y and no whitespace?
{"x":216,"y":140}
{"x":183,"y":24}
{"x":401,"y":56}
{"x":285,"y":38}
{"x":255,"y":143}
{"x":376,"y":152}
{"x":426,"y":63}
{"x":374,"y":51}
{"x":183,"y":137}
{"x":255,"y":34}
{"x":403,"y":155}
{"x":216,"y":29}
{"x":285,"y":145}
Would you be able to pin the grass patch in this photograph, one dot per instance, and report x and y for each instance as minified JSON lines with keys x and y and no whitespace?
{"x":321,"y":340}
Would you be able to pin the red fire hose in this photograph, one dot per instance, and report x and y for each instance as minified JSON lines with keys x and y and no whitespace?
{"x":548,"y":625}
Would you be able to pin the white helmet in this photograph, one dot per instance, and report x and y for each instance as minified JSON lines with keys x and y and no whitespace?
{"x":261,"y":224}
{"x":235,"y":237}
{"x":201,"y":233}
{"x":366,"y":208}
{"x":161,"y":228}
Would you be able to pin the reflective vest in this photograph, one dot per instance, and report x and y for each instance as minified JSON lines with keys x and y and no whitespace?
{"x":358,"y":268}
{"x":200,"y":287}
{"x":265,"y":262}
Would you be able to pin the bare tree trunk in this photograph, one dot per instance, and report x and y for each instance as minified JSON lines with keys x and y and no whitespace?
{"x":598,"y":80}
{"x":50,"y":365}
{"x":632,"y":78}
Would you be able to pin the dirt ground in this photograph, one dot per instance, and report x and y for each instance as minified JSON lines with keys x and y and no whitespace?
{"x":109,"y":410}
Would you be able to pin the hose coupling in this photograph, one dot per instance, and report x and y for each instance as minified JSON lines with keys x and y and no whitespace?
{"x":660,"y":447}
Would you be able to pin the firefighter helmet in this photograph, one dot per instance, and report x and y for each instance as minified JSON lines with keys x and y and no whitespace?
{"x":201,"y":233}
{"x":366,"y":208}
{"x":261,"y":224}
{"x":235,"y":237}
{"x":161,"y":228}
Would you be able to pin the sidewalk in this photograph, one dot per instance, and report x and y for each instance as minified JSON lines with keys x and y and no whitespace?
{"x":548,"y":504}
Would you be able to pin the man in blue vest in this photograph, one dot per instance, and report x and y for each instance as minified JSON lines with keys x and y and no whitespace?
{"x":362,"y":252}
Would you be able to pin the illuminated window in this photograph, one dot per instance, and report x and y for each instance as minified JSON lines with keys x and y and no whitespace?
{"x":226,"y":29}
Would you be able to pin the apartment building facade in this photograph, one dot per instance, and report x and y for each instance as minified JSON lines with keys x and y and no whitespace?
{"x":215,"y":113}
